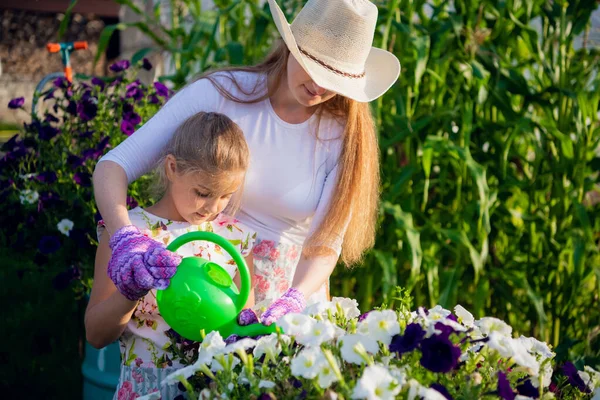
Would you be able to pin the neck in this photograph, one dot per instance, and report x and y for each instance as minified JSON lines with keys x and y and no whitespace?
{"x":165,"y":208}
{"x":285,"y":104}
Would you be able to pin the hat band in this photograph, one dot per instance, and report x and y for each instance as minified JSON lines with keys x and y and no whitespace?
{"x":329,"y":67}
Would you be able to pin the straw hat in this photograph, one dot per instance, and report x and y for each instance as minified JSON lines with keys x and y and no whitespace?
{"x":332,"y":40}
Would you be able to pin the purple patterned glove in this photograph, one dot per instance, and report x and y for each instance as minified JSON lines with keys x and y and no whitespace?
{"x":292,"y":301}
{"x":247,"y":317}
{"x":139,"y":263}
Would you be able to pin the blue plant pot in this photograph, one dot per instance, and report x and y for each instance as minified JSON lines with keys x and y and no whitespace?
{"x":101,"y":371}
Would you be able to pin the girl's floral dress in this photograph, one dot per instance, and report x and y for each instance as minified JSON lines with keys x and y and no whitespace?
{"x":150,"y":349}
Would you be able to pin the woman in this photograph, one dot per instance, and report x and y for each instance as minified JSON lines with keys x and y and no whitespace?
{"x":311,"y":191}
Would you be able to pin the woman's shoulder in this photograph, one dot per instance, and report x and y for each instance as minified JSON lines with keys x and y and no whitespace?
{"x":237,"y":83}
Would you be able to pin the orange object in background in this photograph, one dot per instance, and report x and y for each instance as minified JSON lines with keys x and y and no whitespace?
{"x":53,"y":47}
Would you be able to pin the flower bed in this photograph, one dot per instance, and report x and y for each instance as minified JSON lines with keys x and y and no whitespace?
{"x":332,"y":351}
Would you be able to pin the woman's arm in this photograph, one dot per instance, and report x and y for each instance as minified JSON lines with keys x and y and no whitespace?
{"x":108,"y":311}
{"x":111,"y":203}
{"x":312,"y":272}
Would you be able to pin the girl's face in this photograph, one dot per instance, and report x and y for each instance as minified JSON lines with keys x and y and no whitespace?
{"x":199,"y":197}
{"x":304,"y":90}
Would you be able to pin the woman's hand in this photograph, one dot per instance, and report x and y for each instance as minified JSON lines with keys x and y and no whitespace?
{"x":139,"y":263}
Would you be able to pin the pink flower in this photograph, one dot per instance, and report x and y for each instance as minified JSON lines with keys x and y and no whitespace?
{"x":292,"y":253}
{"x":137,"y":377}
{"x":282,"y":286}
{"x":138,"y":362}
{"x":263,"y":249}
{"x":279,"y":272}
{"x":261,"y":284}
{"x":274,"y":255}
{"x":126,"y":391}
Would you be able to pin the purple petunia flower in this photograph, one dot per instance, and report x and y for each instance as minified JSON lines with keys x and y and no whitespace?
{"x":152,"y":99}
{"x":16,"y":103}
{"x":571,"y":373}
{"x":99,"y":83}
{"x":120,"y":66}
{"x":146,"y":64}
{"x":442,"y":389}
{"x":49,"y":244}
{"x":48,"y":199}
{"x":87,"y":108}
{"x":47,"y":177}
{"x":50,"y":95}
{"x":61,"y":82}
{"x":134,"y":91}
{"x":232,"y":339}
{"x":72,"y":108}
{"x":75,"y":161}
{"x":161,"y":90}
{"x":83,"y":179}
{"x":47,"y":132}
{"x":50,"y":118}
{"x":444,"y":329}
{"x":527,"y":389}
{"x":127,"y":127}
{"x":11,"y":143}
{"x":439,"y":354}
{"x":413,"y":335}
{"x":364,"y":316}
{"x":131,"y":202}
{"x":504,"y":390}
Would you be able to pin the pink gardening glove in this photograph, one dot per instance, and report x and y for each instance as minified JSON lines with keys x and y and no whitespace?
{"x":139,"y":263}
{"x":292,"y":301}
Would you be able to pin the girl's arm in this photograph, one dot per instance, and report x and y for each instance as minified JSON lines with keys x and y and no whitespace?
{"x":108,"y":311}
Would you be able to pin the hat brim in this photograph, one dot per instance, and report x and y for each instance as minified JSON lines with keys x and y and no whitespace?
{"x":382,"y":68}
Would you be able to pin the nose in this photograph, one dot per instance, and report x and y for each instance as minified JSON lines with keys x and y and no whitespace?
{"x":211,"y":206}
{"x":318,"y":90}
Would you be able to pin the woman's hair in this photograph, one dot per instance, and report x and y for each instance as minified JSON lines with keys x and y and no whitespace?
{"x":207,"y":142}
{"x":356,"y":199}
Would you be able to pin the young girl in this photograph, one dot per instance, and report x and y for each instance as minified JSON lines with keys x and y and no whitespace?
{"x":313,"y":187}
{"x":200,"y":173}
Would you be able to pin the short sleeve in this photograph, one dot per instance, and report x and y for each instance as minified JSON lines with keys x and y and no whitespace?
{"x":238,"y":234}
{"x":139,"y":153}
{"x":100,"y":229}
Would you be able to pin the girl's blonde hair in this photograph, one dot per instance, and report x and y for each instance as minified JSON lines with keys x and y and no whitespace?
{"x":207,"y":142}
{"x":357,"y":188}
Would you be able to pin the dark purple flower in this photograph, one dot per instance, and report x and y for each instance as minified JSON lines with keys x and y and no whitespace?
{"x":575,"y":380}
{"x":16,"y":103}
{"x":87,"y":108}
{"x":72,"y":108}
{"x":103,"y":144}
{"x":90,"y":154}
{"x":47,"y":132}
{"x":11,"y":143}
{"x":62,"y":280}
{"x":439,"y":354}
{"x":86,"y":134}
{"x":98,"y":83}
{"x":49,"y":95}
{"x":50,"y":118}
{"x":134,"y":91}
{"x":504,"y":390}
{"x":61,"y":82}
{"x":116,"y":81}
{"x":413,"y":335}
{"x":83,"y":179}
{"x":161,"y":90}
{"x":48,"y":199}
{"x":453,"y":317}
{"x":120,"y":66}
{"x":442,"y":389}
{"x":527,"y":389}
{"x":364,"y":316}
{"x":127,"y":127}
{"x":444,"y":329}
{"x":266,"y":396}
{"x":131,"y":202}
{"x":46,"y":177}
{"x":152,"y":99}
{"x":75,"y":161}
{"x":146,"y":64}
{"x":133,"y":118}
{"x":49,"y":244}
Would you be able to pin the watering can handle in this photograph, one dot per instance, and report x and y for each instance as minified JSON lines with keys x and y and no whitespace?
{"x":233,"y":252}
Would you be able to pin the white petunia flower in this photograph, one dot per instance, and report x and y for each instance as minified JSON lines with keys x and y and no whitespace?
{"x":65,"y":226}
{"x":380,"y":325}
{"x":326,"y":374}
{"x":217,"y":363}
{"x":595,"y":375}
{"x":320,"y":332}
{"x":488,"y":325}
{"x":295,"y":324}
{"x":464,"y":316}
{"x":212,"y":345}
{"x":535,"y":346}
{"x":319,"y":308}
{"x":510,"y":348}
{"x":266,"y":384}
{"x":185,"y":372}
{"x":432,"y":317}
{"x":205,"y":395}
{"x":269,"y":346}
{"x":376,"y":383}
{"x":502,"y":344}
{"x":29,"y":196}
{"x":150,"y":396}
{"x":422,"y":392}
{"x":306,"y":364}
{"x":349,"y":343}
{"x":240,"y":345}
{"x":348,"y":306}
{"x":596,"y":395}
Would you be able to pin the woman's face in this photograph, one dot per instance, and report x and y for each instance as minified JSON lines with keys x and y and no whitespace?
{"x":302,"y":87}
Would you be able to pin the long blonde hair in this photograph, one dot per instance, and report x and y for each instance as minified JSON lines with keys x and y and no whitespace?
{"x":357,"y":189}
{"x":206,"y":142}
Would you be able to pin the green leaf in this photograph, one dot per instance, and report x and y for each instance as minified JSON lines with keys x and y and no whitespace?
{"x":104,"y":39}
{"x":235,"y":51}
{"x":64,"y":24}
{"x":140,"y":54}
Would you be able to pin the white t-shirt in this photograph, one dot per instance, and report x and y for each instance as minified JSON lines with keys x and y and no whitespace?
{"x":292,"y":174}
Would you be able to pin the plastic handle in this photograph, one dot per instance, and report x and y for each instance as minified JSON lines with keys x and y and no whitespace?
{"x":53,"y":47}
{"x":80,"y":45}
{"x":224,"y":243}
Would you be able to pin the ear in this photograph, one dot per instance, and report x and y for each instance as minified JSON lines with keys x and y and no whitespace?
{"x":170,"y":167}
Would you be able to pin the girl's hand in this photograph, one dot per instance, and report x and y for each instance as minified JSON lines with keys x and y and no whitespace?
{"x":292,"y":301}
{"x":139,"y":263}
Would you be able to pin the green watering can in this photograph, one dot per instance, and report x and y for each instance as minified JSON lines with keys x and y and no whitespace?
{"x":203,"y":297}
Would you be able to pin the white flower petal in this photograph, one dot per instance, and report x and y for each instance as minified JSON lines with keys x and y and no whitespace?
{"x":348,"y":350}
{"x":376,"y":383}
{"x":266,"y":384}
